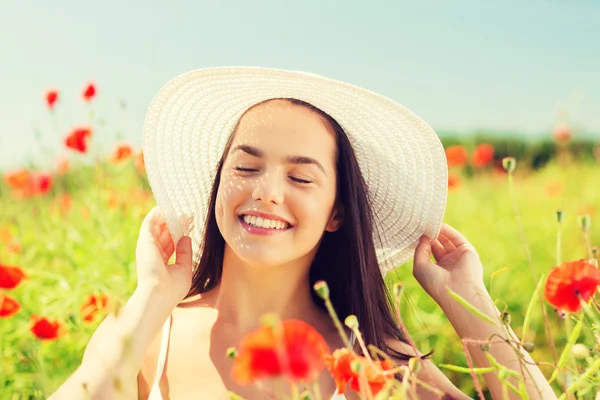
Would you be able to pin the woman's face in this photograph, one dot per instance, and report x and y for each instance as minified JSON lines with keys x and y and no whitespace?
{"x":277,"y":192}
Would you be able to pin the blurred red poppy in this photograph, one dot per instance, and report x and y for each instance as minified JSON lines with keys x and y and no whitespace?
{"x":122,"y":153}
{"x":77,"y":139}
{"x":89,"y":92}
{"x":454,"y":181}
{"x":92,"y":306}
{"x":45,"y":328}
{"x":292,"y":349}
{"x":571,"y":282}
{"x":456,"y":156}
{"x":51,"y":98}
{"x":562,"y":133}
{"x":18,"y":179}
{"x":8,"y":306}
{"x":483,"y":155}
{"x":10,"y":276}
{"x":339,"y":365}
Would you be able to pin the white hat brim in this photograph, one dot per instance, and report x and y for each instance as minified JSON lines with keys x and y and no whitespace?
{"x":401,"y":158}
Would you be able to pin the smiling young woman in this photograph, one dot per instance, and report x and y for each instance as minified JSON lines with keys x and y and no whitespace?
{"x":269,"y":181}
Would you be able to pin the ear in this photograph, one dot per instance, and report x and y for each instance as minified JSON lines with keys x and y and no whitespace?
{"x":337,"y":218}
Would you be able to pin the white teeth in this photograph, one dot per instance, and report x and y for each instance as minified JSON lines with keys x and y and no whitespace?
{"x":264,"y":223}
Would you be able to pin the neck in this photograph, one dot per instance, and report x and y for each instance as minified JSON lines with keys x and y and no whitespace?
{"x":248,"y":292}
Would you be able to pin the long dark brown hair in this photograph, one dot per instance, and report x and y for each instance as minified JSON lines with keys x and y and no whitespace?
{"x":346,"y":258}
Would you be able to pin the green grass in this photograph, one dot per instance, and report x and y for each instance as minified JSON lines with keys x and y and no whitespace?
{"x":68,"y":256}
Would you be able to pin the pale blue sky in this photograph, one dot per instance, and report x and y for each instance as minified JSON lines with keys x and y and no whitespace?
{"x":460,"y":65}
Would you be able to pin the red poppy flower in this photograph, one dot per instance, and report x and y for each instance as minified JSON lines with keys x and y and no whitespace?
{"x":292,"y":349}
{"x":10,"y":276}
{"x":51,"y":98}
{"x":45,"y":328}
{"x":339,"y":365}
{"x":89,"y":92}
{"x":78,"y":138}
{"x":561,"y":133}
{"x":8,"y":306}
{"x":92,"y":306}
{"x":453,"y":181}
{"x":122,"y":153}
{"x":483,"y":155}
{"x":18,"y":179}
{"x":456,"y":156}
{"x":571,"y":282}
{"x":42,"y":183}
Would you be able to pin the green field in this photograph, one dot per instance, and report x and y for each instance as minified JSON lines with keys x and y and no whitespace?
{"x":87,"y":247}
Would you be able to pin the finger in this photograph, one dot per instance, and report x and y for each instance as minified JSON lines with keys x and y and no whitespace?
{"x":184,"y":253}
{"x":438,"y":250}
{"x":447,"y":243}
{"x":453,"y":235}
{"x":422,"y":252}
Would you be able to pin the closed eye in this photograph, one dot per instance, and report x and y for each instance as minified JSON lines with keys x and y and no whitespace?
{"x":241,"y":169}
{"x":302,"y":181}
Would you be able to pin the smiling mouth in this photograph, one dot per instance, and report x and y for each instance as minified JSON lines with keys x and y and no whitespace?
{"x":263,"y":223}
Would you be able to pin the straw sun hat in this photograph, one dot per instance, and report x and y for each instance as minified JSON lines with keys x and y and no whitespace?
{"x":401,"y":158}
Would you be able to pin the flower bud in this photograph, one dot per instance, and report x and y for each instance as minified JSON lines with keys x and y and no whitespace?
{"x":560,"y":216}
{"x":356,"y":366}
{"x":398,"y":290}
{"x":580,"y":351}
{"x":485,"y":347}
{"x":351,"y":322}
{"x":509,"y":164}
{"x":584,"y":223}
{"x":529,"y":346}
{"x":506,"y":318}
{"x":596,"y":252}
{"x":322,"y":289}
{"x":502,"y":375}
{"x":231,"y":353}
{"x":414,"y":364}
{"x":306,"y":395}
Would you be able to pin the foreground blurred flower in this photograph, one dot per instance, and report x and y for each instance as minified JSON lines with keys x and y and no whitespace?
{"x":561,"y":133}
{"x":10,"y":276}
{"x":340,"y":363}
{"x":483,"y":155}
{"x":453,"y":181}
{"x":92,"y":306}
{"x":18,"y":179}
{"x":77,"y":139}
{"x":27,"y":184}
{"x":571,"y":282}
{"x":89,"y":92}
{"x":51,"y":98}
{"x":45,"y":328}
{"x":456,"y":156}
{"x":291,"y":349}
{"x":122,"y":153}
{"x":8,"y":306}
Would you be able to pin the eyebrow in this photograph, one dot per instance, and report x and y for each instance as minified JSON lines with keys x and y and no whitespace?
{"x":253,"y":151}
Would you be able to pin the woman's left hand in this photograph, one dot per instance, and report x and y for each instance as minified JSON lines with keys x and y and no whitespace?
{"x":457,"y":266}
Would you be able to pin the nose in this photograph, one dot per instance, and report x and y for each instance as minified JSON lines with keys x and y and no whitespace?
{"x":268,"y":190}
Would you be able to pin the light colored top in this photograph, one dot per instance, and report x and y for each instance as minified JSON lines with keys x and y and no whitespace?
{"x":162,"y":359}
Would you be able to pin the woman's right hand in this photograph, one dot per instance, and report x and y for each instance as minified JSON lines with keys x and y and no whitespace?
{"x":155,"y":247}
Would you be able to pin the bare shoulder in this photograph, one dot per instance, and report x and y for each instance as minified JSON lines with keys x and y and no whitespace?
{"x":428,"y":373}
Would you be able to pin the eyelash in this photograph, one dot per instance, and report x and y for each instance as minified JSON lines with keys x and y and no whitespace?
{"x":300,"y":181}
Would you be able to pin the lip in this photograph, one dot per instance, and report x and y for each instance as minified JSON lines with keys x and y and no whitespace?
{"x":255,"y":230}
